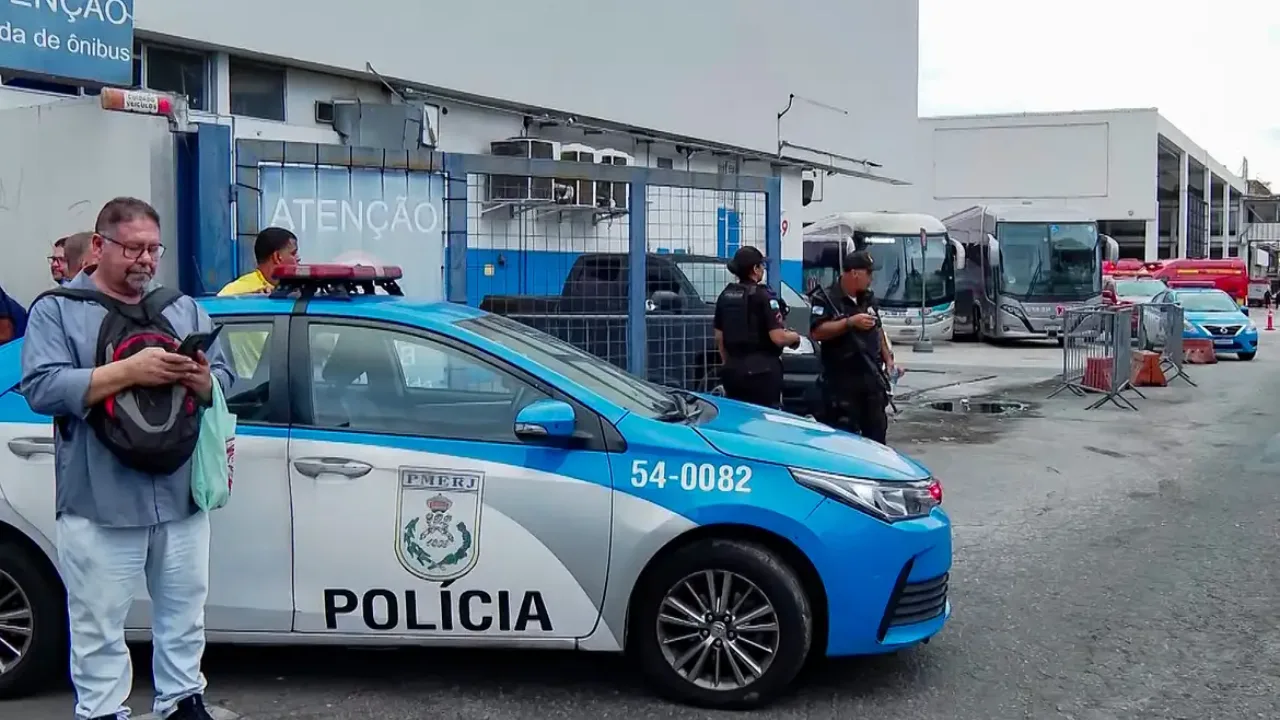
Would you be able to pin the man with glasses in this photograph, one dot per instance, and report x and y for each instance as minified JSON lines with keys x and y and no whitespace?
{"x":77,"y":253}
{"x":58,"y":261}
{"x":115,"y":523}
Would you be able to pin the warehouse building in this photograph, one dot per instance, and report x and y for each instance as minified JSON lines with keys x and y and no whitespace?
{"x":1153,"y":189}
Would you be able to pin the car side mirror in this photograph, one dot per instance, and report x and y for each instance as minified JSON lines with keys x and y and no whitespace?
{"x":1244,"y":309}
{"x":666,"y":300}
{"x":546,"y":420}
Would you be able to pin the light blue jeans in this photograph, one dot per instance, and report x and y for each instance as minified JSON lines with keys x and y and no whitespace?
{"x":101,"y":567}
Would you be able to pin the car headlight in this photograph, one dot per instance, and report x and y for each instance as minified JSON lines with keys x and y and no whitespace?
{"x":1188,"y":327}
{"x":804,"y":348}
{"x":888,"y":501}
{"x":1250,"y":327}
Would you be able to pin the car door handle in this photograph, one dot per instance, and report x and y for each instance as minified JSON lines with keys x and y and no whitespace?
{"x":315,"y":467}
{"x":28,"y":446}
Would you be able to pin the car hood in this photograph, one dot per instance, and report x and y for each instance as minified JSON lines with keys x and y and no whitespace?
{"x":1228,"y":318}
{"x":772,"y":436}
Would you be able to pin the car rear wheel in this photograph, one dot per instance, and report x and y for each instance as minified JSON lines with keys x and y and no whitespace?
{"x":33,"y":637}
{"x":722,"y":624}
{"x":1248,"y":355}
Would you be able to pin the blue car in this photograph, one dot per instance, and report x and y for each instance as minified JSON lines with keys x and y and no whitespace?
{"x":417,"y":473}
{"x":1211,"y":314}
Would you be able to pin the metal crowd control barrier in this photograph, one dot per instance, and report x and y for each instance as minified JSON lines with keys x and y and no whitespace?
{"x":1159,"y":329}
{"x":1097,"y":354}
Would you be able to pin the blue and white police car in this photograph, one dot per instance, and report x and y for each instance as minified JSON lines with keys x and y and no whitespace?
{"x":414,"y":473}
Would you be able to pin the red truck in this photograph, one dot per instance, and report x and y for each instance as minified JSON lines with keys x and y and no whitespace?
{"x":1230,"y":275}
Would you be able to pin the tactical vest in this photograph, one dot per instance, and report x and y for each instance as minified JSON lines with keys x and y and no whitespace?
{"x":740,"y":326}
{"x":839,"y":355}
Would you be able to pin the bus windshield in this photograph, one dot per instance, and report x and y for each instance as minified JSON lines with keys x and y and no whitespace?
{"x":1049,"y":261}
{"x":903,"y":278}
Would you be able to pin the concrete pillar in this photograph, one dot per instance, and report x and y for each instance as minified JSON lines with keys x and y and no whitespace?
{"x":1151,"y":242}
{"x":1226,"y":218}
{"x":1184,"y":178}
{"x":1207,"y":184}
{"x":1242,"y":250}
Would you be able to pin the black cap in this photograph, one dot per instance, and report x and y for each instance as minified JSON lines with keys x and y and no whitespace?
{"x":859,"y":260}
{"x":744,"y":259}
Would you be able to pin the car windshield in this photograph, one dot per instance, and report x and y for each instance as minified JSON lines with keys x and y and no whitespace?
{"x":609,"y":382}
{"x":1216,"y":301}
{"x":793,"y":298}
{"x":1051,"y":261}
{"x":708,"y":277}
{"x":1138,"y":288}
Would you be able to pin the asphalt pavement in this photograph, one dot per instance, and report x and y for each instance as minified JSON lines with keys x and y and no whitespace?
{"x":1110,"y":564}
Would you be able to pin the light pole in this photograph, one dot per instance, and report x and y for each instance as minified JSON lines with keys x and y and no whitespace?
{"x":922,"y":344}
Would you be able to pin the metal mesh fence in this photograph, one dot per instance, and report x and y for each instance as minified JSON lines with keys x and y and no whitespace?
{"x":1097,"y":354}
{"x":690,"y":235}
{"x":541,"y":251}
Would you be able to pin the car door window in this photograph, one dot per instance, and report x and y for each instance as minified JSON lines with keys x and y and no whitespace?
{"x":247,"y":346}
{"x":370,"y":379}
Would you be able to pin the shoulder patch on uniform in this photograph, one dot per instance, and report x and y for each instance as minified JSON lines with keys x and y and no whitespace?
{"x":817,"y":310}
{"x":773,"y":304}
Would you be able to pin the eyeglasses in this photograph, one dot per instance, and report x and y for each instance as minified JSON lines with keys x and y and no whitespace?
{"x":56,"y":259}
{"x":133,"y":252}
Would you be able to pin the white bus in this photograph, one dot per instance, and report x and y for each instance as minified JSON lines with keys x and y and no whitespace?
{"x":1027,"y":266}
{"x":909,"y":277}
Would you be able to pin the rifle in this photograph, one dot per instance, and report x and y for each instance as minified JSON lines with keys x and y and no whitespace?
{"x":877,"y":371}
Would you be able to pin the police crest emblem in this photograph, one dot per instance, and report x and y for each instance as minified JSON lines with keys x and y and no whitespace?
{"x":438,"y":522}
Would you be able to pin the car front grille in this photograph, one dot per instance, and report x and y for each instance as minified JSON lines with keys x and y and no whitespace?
{"x":915,"y":602}
{"x":1222,"y":330}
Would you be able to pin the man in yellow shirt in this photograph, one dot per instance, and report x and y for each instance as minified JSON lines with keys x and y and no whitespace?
{"x":274,"y":247}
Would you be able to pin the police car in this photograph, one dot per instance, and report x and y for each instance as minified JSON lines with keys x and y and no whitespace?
{"x":415,"y":473}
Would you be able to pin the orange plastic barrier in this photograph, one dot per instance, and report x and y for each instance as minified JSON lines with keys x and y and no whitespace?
{"x":1199,"y":351}
{"x":1097,"y":373}
{"x":1147,"y":371}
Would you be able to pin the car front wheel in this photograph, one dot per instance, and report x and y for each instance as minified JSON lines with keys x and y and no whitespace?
{"x":722,"y":624}
{"x":1248,"y":355}
{"x":33,"y":614}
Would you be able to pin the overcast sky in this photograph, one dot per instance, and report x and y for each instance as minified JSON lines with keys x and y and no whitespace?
{"x":1198,"y":62}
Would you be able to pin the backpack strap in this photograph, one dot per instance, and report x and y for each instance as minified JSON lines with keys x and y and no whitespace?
{"x":162,"y":297}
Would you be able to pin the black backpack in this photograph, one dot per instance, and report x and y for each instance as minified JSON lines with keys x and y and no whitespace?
{"x":150,"y":429}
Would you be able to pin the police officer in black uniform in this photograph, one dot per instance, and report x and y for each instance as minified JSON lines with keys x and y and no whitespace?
{"x":750,"y":334}
{"x":847,"y":325}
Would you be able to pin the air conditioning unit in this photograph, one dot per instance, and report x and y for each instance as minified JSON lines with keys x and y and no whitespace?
{"x":575,"y":191}
{"x":521,"y":188}
{"x":614,"y":195}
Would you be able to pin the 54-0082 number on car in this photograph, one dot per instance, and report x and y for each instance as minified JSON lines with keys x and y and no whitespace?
{"x":692,"y":477}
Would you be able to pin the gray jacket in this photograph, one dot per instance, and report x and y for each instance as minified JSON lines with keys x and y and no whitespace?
{"x":57,"y":361}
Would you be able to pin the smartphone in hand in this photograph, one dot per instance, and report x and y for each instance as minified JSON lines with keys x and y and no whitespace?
{"x":198,"y":342}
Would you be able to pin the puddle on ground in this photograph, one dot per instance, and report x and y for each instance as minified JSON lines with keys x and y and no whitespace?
{"x":977,"y":407}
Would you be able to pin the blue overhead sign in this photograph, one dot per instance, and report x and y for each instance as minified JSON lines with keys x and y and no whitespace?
{"x":88,"y":41}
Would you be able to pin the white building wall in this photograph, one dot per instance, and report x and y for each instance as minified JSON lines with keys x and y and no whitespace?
{"x":718,"y":71}
{"x":62,"y":163}
{"x":1103,"y":164}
